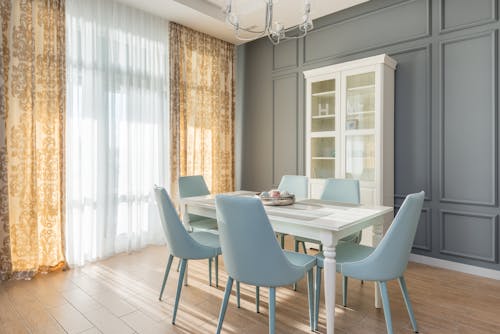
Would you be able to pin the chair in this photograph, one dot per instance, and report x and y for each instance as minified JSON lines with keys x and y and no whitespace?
{"x":244,"y":225}
{"x":297,"y":185}
{"x":190,"y":186}
{"x":336,"y":190}
{"x":186,"y":246}
{"x":386,"y":262}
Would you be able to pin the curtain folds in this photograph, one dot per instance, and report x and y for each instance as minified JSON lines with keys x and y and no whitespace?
{"x":117,"y":124}
{"x":201,"y":108}
{"x":32,"y":113}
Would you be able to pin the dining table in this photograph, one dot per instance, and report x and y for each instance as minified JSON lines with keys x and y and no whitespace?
{"x":315,"y":219}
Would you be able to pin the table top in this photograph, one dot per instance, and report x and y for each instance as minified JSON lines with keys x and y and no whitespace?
{"x":320,"y":214}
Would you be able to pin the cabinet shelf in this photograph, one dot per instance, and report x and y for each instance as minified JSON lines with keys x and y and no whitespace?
{"x":323,"y":158}
{"x":353,"y":89}
{"x":323,"y":134}
{"x":322,"y":116}
{"x":329,"y":93}
{"x":360,"y":113}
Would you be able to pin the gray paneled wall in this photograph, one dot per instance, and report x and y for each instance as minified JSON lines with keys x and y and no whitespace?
{"x":446,"y":115}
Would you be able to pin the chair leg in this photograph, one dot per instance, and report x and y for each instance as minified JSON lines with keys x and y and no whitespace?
{"x":217,"y":271}
{"x":223,"y":308}
{"x":317,"y":297}
{"x":238,"y":293}
{"x":179,"y":288}
{"x":186,"y":275}
{"x":386,"y":305}
{"x":282,"y":236}
{"x":167,"y":270}
{"x":344,"y":291}
{"x":296,"y":246}
{"x":304,"y":246}
{"x":321,"y":247}
{"x":310,"y":297}
{"x":257,"y":299}
{"x":272,"y":309}
{"x":210,"y":271}
{"x":406,"y":297}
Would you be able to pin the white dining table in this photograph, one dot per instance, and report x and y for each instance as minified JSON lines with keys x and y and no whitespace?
{"x":316,"y":219}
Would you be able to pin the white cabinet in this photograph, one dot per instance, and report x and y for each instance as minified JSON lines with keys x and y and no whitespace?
{"x":350,"y":126}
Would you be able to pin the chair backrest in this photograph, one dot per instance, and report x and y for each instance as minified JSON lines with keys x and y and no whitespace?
{"x":295,"y":184}
{"x":390,"y":258}
{"x":190,"y":186}
{"x":342,"y":191}
{"x":179,"y":242}
{"x":250,"y":250}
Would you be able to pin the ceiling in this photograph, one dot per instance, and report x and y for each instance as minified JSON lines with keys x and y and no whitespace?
{"x":207,"y":16}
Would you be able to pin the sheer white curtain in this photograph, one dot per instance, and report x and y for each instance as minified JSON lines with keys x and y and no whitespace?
{"x":117,"y":127}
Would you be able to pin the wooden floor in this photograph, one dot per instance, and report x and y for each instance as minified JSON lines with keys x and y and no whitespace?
{"x":120,"y":295}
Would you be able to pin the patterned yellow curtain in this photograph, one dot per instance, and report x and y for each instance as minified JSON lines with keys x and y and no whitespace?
{"x":201,"y":108}
{"x":32,"y":142}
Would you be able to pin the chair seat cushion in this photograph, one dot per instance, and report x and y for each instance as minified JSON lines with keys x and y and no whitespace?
{"x":207,"y":239}
{"x":204,"y":224}
{"x":347,"y":252}
{"x":301,"y":260}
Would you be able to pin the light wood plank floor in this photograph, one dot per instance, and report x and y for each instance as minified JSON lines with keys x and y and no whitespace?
{"x":120,"y":295}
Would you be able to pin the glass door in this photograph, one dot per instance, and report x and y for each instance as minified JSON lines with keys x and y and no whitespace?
{"x":323,"y":121}
{"x":359,"y":127}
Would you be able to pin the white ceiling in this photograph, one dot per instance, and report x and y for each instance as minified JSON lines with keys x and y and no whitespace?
{"x":207,"y":16}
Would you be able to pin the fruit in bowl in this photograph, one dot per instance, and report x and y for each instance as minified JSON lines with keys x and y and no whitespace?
{"x":275,"y":197}
{"x":275,"y":193}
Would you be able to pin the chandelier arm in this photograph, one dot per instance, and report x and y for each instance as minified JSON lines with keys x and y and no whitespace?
{"x":272,"y":40}
{"x":276,"y":34}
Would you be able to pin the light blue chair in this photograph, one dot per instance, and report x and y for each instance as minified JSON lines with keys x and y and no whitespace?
{"x":386,"y":262}
{"x":181,"y":244}
{"x":190,"y":186}
{"x":297,"y":185}
{"x":336,"y":190}
{"x":243,"y":225}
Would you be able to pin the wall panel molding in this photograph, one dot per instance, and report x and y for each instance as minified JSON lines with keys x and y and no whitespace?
{"x":491,"y":223}
{"x":427,"y":48}
{"x":285,"y":126}
{"x":492,"y":17}
{"x":286,"y":55}
{"x":331,"y":30}
{"x":426,"y":225}
{"x":493,"y":70}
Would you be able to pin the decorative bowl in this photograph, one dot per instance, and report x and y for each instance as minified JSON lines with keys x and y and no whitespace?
{"x":278,"y":201}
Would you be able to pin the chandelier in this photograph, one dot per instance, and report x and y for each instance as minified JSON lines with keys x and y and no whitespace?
{"x":276,"y":31}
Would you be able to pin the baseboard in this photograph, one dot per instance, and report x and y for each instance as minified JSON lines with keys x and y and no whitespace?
{"x":463,"y":268}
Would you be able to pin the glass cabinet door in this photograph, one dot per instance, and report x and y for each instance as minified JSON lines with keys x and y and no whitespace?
{"x":322,"y":157}
{"x":360,"y":157}
{"x":323,"y":106}
{"x":322,"y":127}
{"x":359,"y":139}
{"x":360,"y":101}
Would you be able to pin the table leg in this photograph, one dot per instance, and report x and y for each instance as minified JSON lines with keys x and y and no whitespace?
{"x":329,"y":245}
{"x":377,"y":235}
